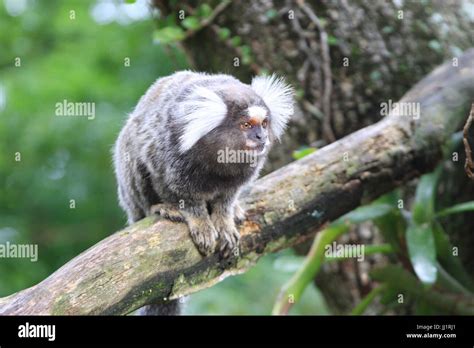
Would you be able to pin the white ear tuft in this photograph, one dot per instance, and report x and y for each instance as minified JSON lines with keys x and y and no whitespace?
{"x":278,"y":96}
{"x":201,"y":112}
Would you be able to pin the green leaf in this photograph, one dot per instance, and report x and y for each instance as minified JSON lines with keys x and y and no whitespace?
{"x":435,"y":45}
{"x":323,"y":22}
{"x":397,"y":278}
{"x":246,"y":54}
{"x":368,"y":299}
{"x":246,"y":59}
{"x":191,"y":23}
{"x":332,"y":40}
{"x":390,"y":296}
{"x":305,"y":151}
{"x":389,"y":198}
{"x":367,"y":213}
{"x":422,"y":252}
{"x":423,"y":206}
{"x":449,"y":283}
{"x":423,"y":307}
{"x":391,"y":225}
{"x":168,"y":35}
{"x":204,"y":11}
{"x":235,"y":41}
{"x":299,"y":93}
{"x":271,"y":14}
{"x":130,"y":1}
{"x":458,"y":208}
{"x":310,"y":267}
{"x":246,"y":50}
{"x":406,"y":283}
{"x":224,"y":33}
{"x":450,"y":262}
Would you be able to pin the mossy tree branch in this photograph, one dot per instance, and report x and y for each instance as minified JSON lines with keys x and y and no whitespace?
{"x":156,"y":259}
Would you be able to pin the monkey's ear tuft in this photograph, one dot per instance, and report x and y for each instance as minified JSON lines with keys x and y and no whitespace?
{"x":278,"y":96}
{"x":201,"y":112}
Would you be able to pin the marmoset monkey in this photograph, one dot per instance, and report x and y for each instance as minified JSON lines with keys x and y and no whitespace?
{"x":190,"y":145}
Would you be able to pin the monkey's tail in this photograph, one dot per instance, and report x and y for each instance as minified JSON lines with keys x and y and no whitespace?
{"x":172,"y":307}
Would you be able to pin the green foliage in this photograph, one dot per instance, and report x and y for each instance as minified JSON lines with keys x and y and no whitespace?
{"x":419,"y":234}
{"x":236,"y":41}
{"x":65,"y":158}
{"x":271,"y":14}
{"x":254,"y":291}
{"x":305,"y":275}
{"x":422,"y":252}
{"x":304,"y":151}
{"x":423,"y":210}
{"x":246,"y":53}
{"x":332,"y":40}
{"x":191,"y":22}
{"x":416,"y":235}
{"x":224,"y":33}
{"x":168,"y":35}
{"x":170,"y":30}
{"x":448,"y":259}
{"x":395,"y":276}
{"x":458,"y":208}
{"x":367,"y":213}
{"x":204,"y":11}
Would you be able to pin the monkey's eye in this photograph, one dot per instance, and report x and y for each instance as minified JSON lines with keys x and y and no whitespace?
{"x":265,"y":123}
{"x":246,"y":125}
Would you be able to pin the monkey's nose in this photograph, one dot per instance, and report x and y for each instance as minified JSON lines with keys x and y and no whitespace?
{"x":260,"y":139}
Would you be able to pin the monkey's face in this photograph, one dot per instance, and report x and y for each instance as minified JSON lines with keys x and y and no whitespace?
{"x":253,"y":125}
{"x":242,"y":138}
{"x":246,"y":128}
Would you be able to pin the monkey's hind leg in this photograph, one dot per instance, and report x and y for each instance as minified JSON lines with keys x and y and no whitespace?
{"x":167,"y":211}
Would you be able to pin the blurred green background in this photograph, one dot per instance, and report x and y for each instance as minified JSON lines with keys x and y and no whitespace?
{"x":69,"y":158}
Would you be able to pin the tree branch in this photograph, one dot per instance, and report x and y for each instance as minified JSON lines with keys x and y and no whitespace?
{"x":469,"y":164}
{"x":156,"y":259}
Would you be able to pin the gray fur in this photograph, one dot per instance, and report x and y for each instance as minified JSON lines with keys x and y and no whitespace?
{"x":155,"y":175}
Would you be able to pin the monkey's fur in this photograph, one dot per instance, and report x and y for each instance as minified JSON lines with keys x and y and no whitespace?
{"x":168,"y":156}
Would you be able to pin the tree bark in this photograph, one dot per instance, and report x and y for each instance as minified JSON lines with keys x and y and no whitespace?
{"x":156,"y":259}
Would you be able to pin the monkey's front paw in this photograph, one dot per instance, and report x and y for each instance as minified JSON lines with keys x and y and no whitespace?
{"x":204,"y":236}
{"x":230,"y":241}
{"x":167,"y":211}
{"x":239,"y":214}
{"x":229,"y":236}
